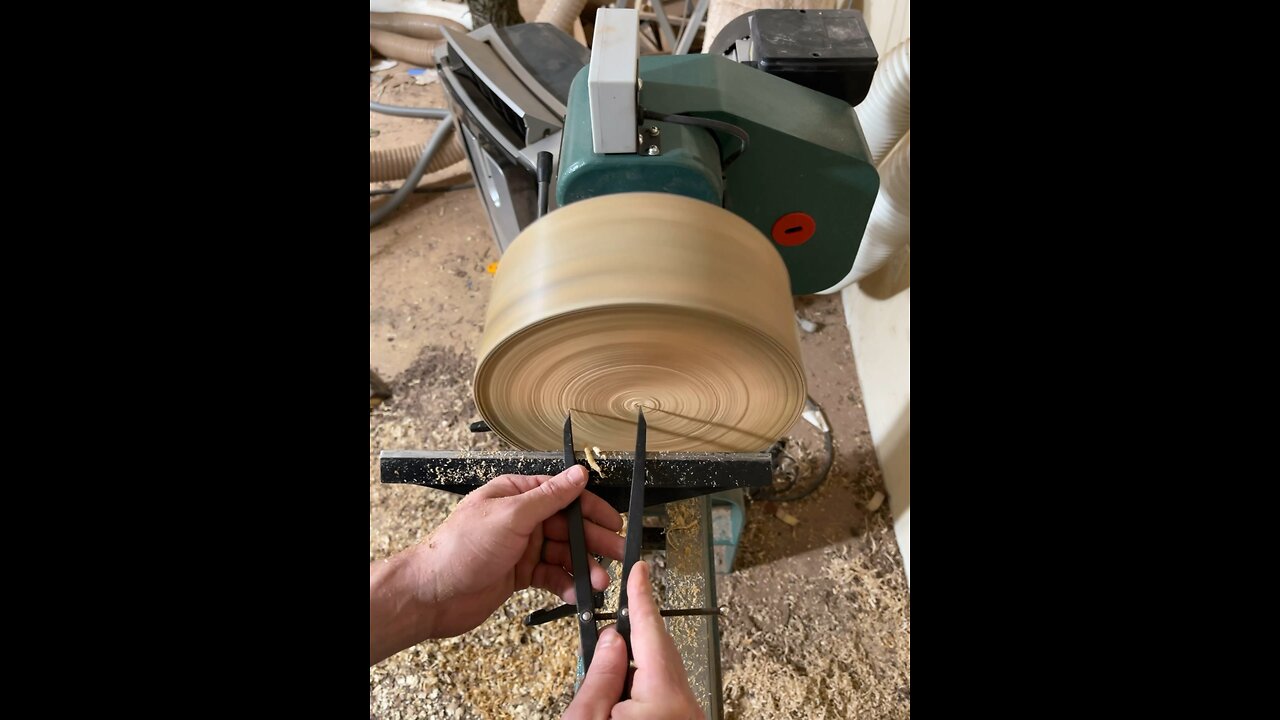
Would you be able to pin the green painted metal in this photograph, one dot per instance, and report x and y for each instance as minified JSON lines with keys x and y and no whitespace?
{"x":807,"y":154}
{"x":688,"y":164}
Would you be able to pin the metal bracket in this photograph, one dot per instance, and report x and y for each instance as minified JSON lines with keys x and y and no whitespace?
{"x":649,"y":138}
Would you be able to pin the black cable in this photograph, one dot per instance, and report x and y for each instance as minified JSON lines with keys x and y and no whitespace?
{"x":781,"y":495}
{"x":822,"y":476}
{"x":776,"y":452}
{"x":709,"y":124}
{"x":424,"y":188}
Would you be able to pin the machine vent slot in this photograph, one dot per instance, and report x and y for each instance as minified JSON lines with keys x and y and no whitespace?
{"x":504,"y":112}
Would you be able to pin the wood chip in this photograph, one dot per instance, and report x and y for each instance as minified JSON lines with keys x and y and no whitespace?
{"x":591,"y":460}
{"x":875,"y":502}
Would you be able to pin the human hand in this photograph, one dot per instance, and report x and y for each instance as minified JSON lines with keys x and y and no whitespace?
{"x":504,"y":536}
{"x":659,"y":687}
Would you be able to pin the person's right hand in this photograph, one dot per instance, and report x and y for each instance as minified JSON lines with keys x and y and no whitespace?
{"x":659,"y":689}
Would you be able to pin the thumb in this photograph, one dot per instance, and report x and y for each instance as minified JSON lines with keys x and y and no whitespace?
{"x":548,"y":498}
{"x":650,"y":641}
{"x":602,"y":687}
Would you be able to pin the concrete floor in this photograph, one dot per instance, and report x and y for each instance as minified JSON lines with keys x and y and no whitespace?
{"x":818,"y":612}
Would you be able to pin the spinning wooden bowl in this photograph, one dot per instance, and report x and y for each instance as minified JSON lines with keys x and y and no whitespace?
{"x":639,"y":300}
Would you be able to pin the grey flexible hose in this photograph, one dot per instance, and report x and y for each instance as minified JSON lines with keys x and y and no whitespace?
{"x":428,"y":113}
{"x":394,"y":163}
{"x":442,"y":132}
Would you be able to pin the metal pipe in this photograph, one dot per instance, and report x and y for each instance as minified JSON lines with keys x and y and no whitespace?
{"x":686,"y":37}
{"x":673,"y":20}
{"x":664,"y":25}
{"x":665,"y":613}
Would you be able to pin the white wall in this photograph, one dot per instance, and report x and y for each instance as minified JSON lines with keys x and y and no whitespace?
{"x":888,"y":20}
{"x":878,"y":311}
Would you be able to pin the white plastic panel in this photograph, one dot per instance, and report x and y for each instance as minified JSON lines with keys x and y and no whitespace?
{"x":611,"y":80}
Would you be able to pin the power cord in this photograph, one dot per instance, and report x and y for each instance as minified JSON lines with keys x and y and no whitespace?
{"x":424,"y":189}
{"x":786,"y":493}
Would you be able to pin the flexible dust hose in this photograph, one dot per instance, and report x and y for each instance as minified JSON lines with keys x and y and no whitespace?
{"x":457,"y":11}
{"x":397,"y":163}
{"x":423,"y":27}
{"x":561,"y":13}
{"x":889,"y":227}
{"x":442,"y":132}
{"x":405,"y":49}
{"x":886,"y":113}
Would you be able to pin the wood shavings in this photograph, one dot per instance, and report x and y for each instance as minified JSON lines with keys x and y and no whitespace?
{"x":591,"y":460}
{"x":875,"y":502}
{"x":787,"y":517}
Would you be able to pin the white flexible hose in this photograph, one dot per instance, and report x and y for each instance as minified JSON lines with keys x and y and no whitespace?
{"x":889,"y":227}
{"x":458,"y":12}
{"x":886,"y":113}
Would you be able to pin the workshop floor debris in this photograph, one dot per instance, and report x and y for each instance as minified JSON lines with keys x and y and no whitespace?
{"x":818,"y":617}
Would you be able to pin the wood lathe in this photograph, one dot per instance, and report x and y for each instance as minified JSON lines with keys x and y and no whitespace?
{"x":655,"y":216}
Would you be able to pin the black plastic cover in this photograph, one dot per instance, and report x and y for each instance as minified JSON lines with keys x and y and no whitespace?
{"x":829,"y":51}
{"x":550,"y":55}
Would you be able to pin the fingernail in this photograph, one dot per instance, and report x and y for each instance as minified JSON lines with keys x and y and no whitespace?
{"x":578,"y":475}
{"x":608,"y":637}
{"x":641,"y":567}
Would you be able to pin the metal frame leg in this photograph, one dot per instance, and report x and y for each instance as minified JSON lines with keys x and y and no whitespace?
{"x":691,"y":28}
{"x":664,"y":26}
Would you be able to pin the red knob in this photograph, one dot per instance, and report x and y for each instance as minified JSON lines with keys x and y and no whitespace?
{"x":793,"y":229}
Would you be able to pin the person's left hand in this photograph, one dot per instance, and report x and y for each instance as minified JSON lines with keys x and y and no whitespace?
{"x":493,"y":544}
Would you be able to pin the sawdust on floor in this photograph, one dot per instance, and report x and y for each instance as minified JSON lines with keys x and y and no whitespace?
{"x":502,"y":668}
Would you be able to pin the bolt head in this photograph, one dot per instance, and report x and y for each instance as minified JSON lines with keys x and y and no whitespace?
{"x":623,"y":613}
{"x":586,"y":616}
{"x":654,"y":131}
{"x":653,"y":149}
